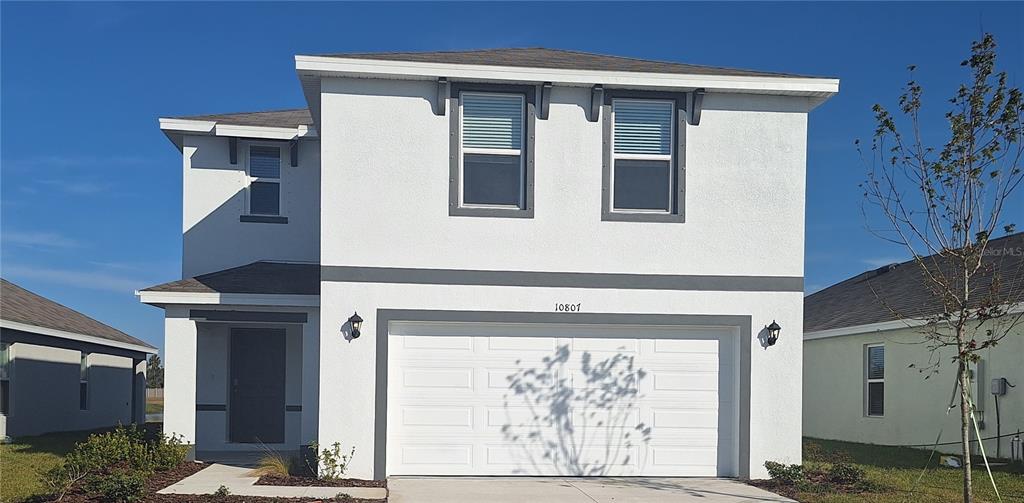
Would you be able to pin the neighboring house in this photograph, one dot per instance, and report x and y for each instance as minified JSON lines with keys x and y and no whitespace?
{"x":565,"y":263}
{"x":61,"y":370}
{"x":858,"y":381}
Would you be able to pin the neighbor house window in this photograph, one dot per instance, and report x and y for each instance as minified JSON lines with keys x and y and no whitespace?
{"x":642,"y":177}
{"x":264,"y":180}
{"x":874,"y":395}
{"x":83,"y":381}
{"x":493,"y":169}
{"x":5,"y":378}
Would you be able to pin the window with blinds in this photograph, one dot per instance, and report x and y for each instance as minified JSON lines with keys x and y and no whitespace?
{"x":264,"y":180}
{"x":642,"y":174}
{"x":492,"y":149}
{"x":875,"y":381}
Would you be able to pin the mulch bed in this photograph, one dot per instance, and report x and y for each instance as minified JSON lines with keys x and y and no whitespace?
{"x":160,"y":480}
{"x":293,"y":480}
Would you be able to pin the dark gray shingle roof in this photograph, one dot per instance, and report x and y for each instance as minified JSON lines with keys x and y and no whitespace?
{"x":279,"y":278}
{"x":22,"y":306}
{"x":540,"y":57}
{"x":271,"y":118}
{"x":872,"y":296}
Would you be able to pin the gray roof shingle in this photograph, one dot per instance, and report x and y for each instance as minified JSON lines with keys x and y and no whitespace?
{"x":540,"y":57}
{"x":281,"y":278}
{"x":872,"y":296}
{"x":22,"y":306}
{"x":290,"y":118}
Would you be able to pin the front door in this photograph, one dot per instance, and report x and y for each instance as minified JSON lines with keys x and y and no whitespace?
{"x":256,"y":406}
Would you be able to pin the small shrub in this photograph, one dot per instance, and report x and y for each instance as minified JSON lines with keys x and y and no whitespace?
{"x":167,"y":452}
{"x":120,"y":487}
{"x":331,"y":462}
{"x":785,"y":474}
{"x":845,"y":473}
{"x":222,"y":491}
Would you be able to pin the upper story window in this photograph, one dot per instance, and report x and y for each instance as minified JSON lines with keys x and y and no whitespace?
{"x":492,"y":154}
{"x":874,"y":386}
{"x":492,"y":150}
{"x":264,"y":180}
{"x":643,"y":162}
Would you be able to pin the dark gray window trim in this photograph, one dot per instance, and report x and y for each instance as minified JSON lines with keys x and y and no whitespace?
{"x":386,"y":316}
{"x":263,"y":219}
{"x":455,"y":150}
{"x":541,"y":279}
{"x":678,"y":213}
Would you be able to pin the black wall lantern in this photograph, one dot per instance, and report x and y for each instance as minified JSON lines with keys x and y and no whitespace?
{"x":357,"y":323}
{"x":773,"y":333}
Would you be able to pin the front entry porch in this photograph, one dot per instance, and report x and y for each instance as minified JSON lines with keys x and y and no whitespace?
{"x":242,"y":380}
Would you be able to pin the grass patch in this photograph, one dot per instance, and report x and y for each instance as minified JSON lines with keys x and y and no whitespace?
{"x":893,"y":473}
{"x":24,"y":459}
{"x":154,"y":407}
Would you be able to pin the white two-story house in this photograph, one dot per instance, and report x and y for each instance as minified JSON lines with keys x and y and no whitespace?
{"x":497,"y":262}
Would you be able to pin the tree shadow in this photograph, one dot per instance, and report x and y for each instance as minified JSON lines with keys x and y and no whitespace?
{"x":579,"y":421}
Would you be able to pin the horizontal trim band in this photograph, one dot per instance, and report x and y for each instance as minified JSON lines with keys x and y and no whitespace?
{"x":352,"y":274}
{"x":211,"y":407}
{"x":247,"y":316}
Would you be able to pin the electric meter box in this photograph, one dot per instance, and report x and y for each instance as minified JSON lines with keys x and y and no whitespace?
{"x":999,"y":386}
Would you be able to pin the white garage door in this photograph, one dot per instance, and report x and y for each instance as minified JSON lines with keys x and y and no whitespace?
{"x":527,"y":399}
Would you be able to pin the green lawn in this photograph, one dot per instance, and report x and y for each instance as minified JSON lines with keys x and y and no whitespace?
{"x":155,"y":407}
{"x":22,"y":460}
{"x":896,"y":470}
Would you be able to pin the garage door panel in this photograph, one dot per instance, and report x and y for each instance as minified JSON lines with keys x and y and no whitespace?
{"x":521,"y":344}
{"x":438,"y":416}
{"x":437,"y":378}
{"x":513,"y":399}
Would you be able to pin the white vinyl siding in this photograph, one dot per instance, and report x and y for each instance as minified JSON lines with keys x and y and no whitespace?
{"x":874,"y":385}
{"x":264,"y":180}
{"x":492,"y":164}
{"x":643,"y":178}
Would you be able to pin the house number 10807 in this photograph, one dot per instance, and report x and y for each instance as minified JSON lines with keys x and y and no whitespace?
{"x":572,"y":308}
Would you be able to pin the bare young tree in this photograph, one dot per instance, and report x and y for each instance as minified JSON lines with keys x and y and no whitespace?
{"x":944,"y":204}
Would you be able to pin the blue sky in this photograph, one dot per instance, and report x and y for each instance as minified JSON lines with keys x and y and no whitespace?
{"x":91,"y":189}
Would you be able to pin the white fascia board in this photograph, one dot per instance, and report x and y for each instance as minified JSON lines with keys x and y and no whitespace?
{"x":884,"y":325}
{"x":243,"y":299}
{"x":863,"y":329}
{"x":52,"y":332}
{"x":178,"y":127}
{"x":325,"y":66}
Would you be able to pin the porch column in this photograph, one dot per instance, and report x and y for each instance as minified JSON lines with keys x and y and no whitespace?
{"x":310,"y":378}
{"x":180,"y":335}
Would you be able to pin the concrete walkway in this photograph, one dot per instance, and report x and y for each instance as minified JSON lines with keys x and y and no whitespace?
{"x":574,"y":490}
{"x":239,"y":482}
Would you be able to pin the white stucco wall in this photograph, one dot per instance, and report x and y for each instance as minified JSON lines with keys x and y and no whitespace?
{"x":387,"y":153}
{"x":45,"y":390}
{"x":915,"y":407}
{"x":215,"y":197}
{"x":347,"y":379}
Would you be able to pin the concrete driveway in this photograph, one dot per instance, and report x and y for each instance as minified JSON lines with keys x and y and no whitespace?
{"x":573,"y":490}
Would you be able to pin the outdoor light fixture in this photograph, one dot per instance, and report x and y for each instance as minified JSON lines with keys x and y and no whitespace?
{"x":773,"y":333}
{"x":357,"y":323}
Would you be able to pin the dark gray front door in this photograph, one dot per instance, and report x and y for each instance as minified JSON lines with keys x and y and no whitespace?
{"x":256,"y":408}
